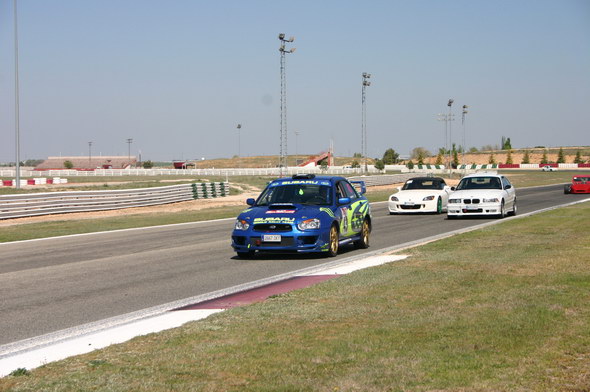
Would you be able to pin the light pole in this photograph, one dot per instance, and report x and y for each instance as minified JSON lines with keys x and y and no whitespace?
{"x":129,"y":141}
{"x":447,"y":118}
{"x":16,"y":100}
{"x":296,"y":142}
{"x":463,"y":123}
{"x":90,"y":155}
{"x":283,"y":148}
{"x":365,"y":84}
{"x":238,"y":127}
{"x":450,"y":105}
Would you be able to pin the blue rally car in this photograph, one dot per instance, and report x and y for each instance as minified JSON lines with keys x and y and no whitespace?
{"x":304,"y":213}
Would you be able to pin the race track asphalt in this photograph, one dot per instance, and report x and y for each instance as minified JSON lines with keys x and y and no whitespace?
{"x":53,"y":284}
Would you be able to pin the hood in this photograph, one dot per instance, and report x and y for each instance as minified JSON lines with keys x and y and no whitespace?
{"x":416,"y":195}
{"x":276,"y":212}
{"x":477,"y":193}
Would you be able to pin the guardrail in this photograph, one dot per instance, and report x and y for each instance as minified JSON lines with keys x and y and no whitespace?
{"x":17,"y":206}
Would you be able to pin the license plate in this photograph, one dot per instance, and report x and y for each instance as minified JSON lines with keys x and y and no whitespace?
{"x":271,"y":238}
{"x":409,"y":203}
{"x":471,"y":207}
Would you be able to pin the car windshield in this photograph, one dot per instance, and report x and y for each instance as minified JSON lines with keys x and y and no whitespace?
{"x":308,"y":194}
{"x":422,"y":184}
{"x":479,"y":183}
{"x":582,"y":179}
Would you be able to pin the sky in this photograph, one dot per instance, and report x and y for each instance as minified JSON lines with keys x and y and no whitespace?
{"x":178,"y":76}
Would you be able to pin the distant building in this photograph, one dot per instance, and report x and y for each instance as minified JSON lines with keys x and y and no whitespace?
{"x":85,"y":163}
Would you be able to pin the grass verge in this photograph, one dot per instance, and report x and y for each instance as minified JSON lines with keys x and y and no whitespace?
{"x":506,"y":308}
{"x":58,"y":228}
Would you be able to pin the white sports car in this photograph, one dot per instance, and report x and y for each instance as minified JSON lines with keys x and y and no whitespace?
{"x":420,"y":194}
{"x":482,"y":194}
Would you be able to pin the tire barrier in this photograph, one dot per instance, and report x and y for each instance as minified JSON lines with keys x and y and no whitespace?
{"x":23,"y":205}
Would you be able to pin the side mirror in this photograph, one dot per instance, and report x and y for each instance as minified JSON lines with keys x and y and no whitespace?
{"x":453,"y":188}
{"x":508,"y":187}
{"x":250,"y":201}
{"x":344,"y":200}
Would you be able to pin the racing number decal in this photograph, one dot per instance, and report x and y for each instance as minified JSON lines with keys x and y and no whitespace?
{"x":352,"y":218}
{"x":344,"y":221}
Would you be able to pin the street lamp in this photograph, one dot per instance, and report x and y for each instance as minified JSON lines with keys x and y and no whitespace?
{"x":365,"y":84}
{"x":450,"y":105}
{"x":90,"y":155}
{"x":283,"y":147}
{"x":463,"y":123}
{"x":239,"y":143}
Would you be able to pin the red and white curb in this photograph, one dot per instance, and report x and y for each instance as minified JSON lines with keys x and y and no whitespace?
{"x":30,"y":355}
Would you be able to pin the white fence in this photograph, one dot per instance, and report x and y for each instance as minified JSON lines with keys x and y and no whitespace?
{"x":274,"y":171}
{"x":15,"y":206}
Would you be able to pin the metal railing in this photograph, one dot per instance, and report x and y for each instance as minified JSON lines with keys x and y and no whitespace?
{"x":23,"y":205}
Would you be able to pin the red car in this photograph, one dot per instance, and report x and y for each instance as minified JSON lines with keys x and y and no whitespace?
{"x":580,"y":184}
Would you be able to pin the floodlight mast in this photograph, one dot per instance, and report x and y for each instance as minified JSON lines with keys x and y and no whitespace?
{"x":283,"y":151}
{"x":16,"y":101}
{"x":365,"y":84}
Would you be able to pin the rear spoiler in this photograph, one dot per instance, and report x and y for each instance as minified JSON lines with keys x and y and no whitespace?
{"x":361,"y":185}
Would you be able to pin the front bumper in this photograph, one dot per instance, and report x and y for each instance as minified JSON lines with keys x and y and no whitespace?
{"x":398,"y":207}
{"x":485,"y":209}
{"x":290,"y":242}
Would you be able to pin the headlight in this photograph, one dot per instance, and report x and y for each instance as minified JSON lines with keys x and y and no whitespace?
{"x":494,"y":200}
{"x":241,"y":225}
{"x":427,"y":198}
{"x":309,"y":224}
{"x":454,"y":201}
{"x":393,"y":198}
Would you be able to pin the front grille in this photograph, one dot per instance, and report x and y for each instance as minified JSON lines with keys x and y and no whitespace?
{"x":257,"y":241}
{"x":273,"y":227}
{"x":239,"y":240}
{"x":414,"y":207}
{"x":477,"y":211}
{"x":471,"y":201}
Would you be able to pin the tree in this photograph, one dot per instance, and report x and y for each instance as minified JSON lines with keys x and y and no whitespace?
{"x":379,"y":165}
{"x":68,"y":164}
{"x":492,"y":159}
{"x":509,"y":157}
{"x":526,"y":158}
{"x":544,"y":158}
{"x":473,"y":149}
{"x":357,"y":155}
{"x":416,"y":152}
{"x":455,"y":159}
{"x":148,"y":164}
{"x":324,"y":165}
{"x":560,"y":156}
{"x":578,"y":158}
{"x":439,"y":159}
{"x":410,"y":164}
{"x":390,"y":157}
{"x":420,"y":157}
{"x":355,"y":164}
{"x":506,"y":144}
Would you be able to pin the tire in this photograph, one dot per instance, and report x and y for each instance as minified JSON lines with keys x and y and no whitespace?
{"x":363,"y":243}
{"x":567,"y":189}
{"x":333,"y":244}
{"x":502,"y":211}
{"x":246,"y":255}
{"x":514,"y":209}
{"x":439,"y":208}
